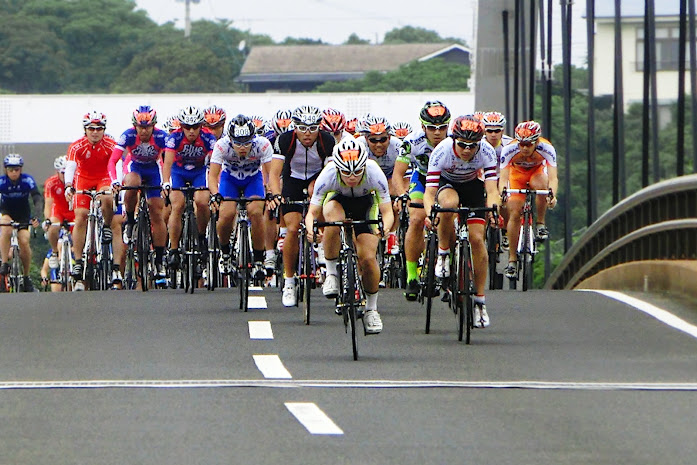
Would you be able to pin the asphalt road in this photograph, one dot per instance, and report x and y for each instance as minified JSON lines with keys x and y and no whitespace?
{"x":168,"y":378}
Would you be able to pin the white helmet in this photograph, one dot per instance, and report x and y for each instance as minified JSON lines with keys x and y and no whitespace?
{"x":307,"y":115}
{"x":190,"y":116}
{"x":373,"y":125}
{"x":60,"y":162}
{"x":350,"y":156}
{"x":282,"y":122}
{"x":94,"y":117}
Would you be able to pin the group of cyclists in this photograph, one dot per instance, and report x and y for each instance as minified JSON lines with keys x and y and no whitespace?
{"x":356,"y":168}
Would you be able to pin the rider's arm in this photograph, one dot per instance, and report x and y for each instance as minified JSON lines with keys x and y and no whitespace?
{"x":398,"y":182}
{"x":214,"y":177}
{"x":387,"y":216}
{"x":503,"y":179}
{"x":167,"y":166}
{"x":275,"y":170}
{"x":70,"y":168}
{"x":492,"y":193}
{"x":116,"y":155}
{"x":38,"y":200}
{"x":48,"y":201}
{"x":553,"y":179}
{"x":313,"y":212}
{"x":429,"y":199}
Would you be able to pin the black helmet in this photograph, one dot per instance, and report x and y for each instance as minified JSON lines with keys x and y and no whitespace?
{"x":434,"y":112}
{"x":241,"y":129}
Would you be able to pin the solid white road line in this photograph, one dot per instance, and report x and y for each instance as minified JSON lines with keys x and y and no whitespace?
{"x":312,"y":418}
{"x":256,"y":301}
{"x":656,"y":312}
{"x":260,"y":330}
{"x":271,"y":367}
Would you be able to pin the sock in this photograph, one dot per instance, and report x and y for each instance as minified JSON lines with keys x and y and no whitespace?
{"x":269,"y":253}
{"x":289,"y":281}
{"x":282,"y":232}
{"x":443,"y":251}
{"x":159,"y":253}
{"x":225,"y":249}
{"x":371,"y":301}
{"x":131,"y":217}
{"x":479,"y":299}
{"x":331,"y":266}
{"x":258,"y":255}
{"x":412,"y":270}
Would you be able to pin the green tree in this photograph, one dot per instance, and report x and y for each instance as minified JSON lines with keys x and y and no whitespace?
{"x":431,"y":75}
{"x":416,"y":35}
{"x":301,"y":41}
{"x":353,"y":39}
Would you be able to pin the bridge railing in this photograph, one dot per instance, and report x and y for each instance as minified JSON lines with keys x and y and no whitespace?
{"x":656,"y":223}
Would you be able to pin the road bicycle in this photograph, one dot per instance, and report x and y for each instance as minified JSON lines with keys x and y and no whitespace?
{"x":351,"y":299}
{"x":460,"y":288}
{"x":494,"y":250}
{"x":306,"y":270}
{"x":527,"y":244}
{"x":214,"y":278}
{"x":65,"y":257}
{"x":14,"y":281}
{"x":97,"y":254}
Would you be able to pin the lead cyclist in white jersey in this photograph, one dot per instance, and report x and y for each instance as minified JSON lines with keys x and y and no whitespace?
{"x":349,"y":187}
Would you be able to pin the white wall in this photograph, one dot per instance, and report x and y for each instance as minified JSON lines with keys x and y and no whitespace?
{"x":58,"y":118}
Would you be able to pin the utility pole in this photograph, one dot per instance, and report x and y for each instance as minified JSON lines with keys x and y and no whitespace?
{"x":187,"y":15}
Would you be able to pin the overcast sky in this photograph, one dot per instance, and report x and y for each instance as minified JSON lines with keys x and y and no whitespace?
{"x":333,"y":21}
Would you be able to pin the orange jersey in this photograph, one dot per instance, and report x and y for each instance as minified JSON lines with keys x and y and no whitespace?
{"x":92,"y":160}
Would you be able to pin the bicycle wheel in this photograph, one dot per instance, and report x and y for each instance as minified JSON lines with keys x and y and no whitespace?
{"x":244,"y":263}
{"x":16,"y":275}
{"x":307,"y":277}
{"x":130,"y":277}
{"x":468,"y":292}
{"x":65,"y":269}
{"x":493,"y":246}
{"x":144,"y":248}
{"x":184,"y":253}
{"x":213,"y":252}
{"x":526,"y":258}
{"x":350,"y":302}
{"x":430,"y":282}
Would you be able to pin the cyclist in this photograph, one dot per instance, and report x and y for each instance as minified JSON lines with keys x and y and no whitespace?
{"x":416,"y":149}
{"x":530,"y":162}
{"x":143,"y":145}
{"x":334,"y":121}
{"x":56,"y":208}
{"x":401,"y":129}
{"x":214,"y":120}
{"x":236,"y":168}
{"x":299,"y":157}
{"x":15,"y":189}
{"x":186,"y":151}
{"x":281,"y":122}
{"x":453,"y":170}
{"x":260,"y":126}
{"x":171,"y":125}
{"x":351,"y":126}
{"x":87,"y":168}
{"x":384,"y":148}
{"x":349,"y":188}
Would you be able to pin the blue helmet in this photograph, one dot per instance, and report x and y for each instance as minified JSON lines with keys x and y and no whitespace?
{"x":13,"y":159}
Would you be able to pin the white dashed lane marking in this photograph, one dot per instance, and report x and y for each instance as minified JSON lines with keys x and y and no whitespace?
{"x":271,"y":367}
{"x":260,"y":330}
{"x":312,"y":418}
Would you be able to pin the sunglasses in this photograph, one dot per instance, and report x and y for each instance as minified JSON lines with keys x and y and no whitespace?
{"x":380,"y":140}
{"x":305,"y":128}
{"x":526,"y":143}
{"x":95,"y":128}
{"x":191,"y":126}
{"x":493,"y":131}
{"x":356,"y":173}
{"x":242,"y":144}
{"x":439,"y":127}
{"x":13,"y":168}
{"x":466,"y":145}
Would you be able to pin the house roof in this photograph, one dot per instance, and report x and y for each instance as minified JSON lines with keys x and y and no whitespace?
{"x":341,"y":59}
{"x":634,"y":8}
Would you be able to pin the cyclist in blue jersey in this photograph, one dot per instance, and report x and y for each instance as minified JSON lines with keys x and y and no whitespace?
{"x":186,"y":152}
{"x":15,"y":189}
{"x":143,"y":145}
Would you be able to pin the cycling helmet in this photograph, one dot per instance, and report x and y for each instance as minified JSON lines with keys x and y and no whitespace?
{"x":372,"y":125}
{"x":307,"y":115}
{"x":401,"y":129}
{"x":172,"y":124}
{"x":259,"y":124}
{"x":494,"y":119}
{"x":351,"y":125}
{"x":468,"y":128}
{"x":214,"y":116}
{"x":478,"y":115}
{"x":333,"y":120}
{"x":13,"y":159}
{"x":241,"y":129}
{"x":282,"y":122}
{"x":190,"y":116}
{"x":144,"y":115}
{"x":94,"y":117}
{"x":350,"y":155}
{"x":434,"y":112}
{"x":60,"y":162}
{"x":528,"y":131}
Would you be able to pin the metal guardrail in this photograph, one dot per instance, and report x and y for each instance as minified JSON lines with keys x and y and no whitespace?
{"x":654,"y":223}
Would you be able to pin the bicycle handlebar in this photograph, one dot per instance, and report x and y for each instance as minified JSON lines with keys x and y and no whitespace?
{"x":547,"y":192}
{"x":344,"y":223}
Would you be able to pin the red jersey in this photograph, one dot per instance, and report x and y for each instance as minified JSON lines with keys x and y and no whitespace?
{"x":54,"y":189}
{"x":92,"y":160}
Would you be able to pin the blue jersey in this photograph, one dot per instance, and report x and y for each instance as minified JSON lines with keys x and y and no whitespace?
{"x":15,"y":196}
{"x":140,"y":152}
{"x":190,"y":155}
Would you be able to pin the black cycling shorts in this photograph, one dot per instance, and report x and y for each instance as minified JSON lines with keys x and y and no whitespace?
{"x":357,"y":208}
{"x":471,"y":194}
{"x":293,"y":189}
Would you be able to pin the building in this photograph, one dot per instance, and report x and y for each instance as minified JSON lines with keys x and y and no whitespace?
{"x":299,"y":68}
{"x":667,"y":35}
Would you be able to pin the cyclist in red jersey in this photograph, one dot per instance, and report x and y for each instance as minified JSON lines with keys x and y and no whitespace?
{"x":56,"y":209}
{"x":88,"y":159}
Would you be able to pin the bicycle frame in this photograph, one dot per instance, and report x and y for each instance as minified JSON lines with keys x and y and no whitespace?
{"x":15,"y":279}
{"x":306,"y":270}
{"x":97,"y":260}
{"x":65,"y":267}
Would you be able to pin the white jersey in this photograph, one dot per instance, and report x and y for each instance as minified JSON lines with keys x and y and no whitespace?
{"x":386,"y":162}
{"x":416,"y":150}
{"x":444,"y":162}
{"x":505,"y":140}
{"x":545,"y":152}
{"x":329,"y":180}
{"x":241,"y":168}
{"x":304,"y":163}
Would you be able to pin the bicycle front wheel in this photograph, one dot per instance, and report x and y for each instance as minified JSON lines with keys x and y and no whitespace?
{"x":430,"y":282}
{"x":244,"y":264}
{"x":465,"y":285}
{"x":351,"y":302}
{"x":526,"y":258}
{"x":308,"y":277}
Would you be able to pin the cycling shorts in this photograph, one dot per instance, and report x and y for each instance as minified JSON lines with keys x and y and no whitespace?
{"x":83,"y":183}
{"x":150,"y":175}
{"x":357,"y":208}
{"x":232,"y":187}
{"x":197,"y":177}
{"x":17,"y":215}
{"x":519,"y":178}
{"x":417,"y":186}
{"x":293,"y":189}
{"x":61,"y":214}
{"x":471,"y":194}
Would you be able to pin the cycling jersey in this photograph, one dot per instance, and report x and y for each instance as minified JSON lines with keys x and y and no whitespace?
{"x":415,"y":151}
{"x":302,"y":162}
{"x":89,"y":161}
{"x":545,"y":152}
{"x":55,"y":190}
{"x":145,"y":153}
{"x":387,"y":161}
{"x":240,"y":168}
{"x":190,"y":155}
{"x":14,"y":197}
{"x":505,"y":140}
{"x":445,"y":163}
{"x":373,"y":181}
